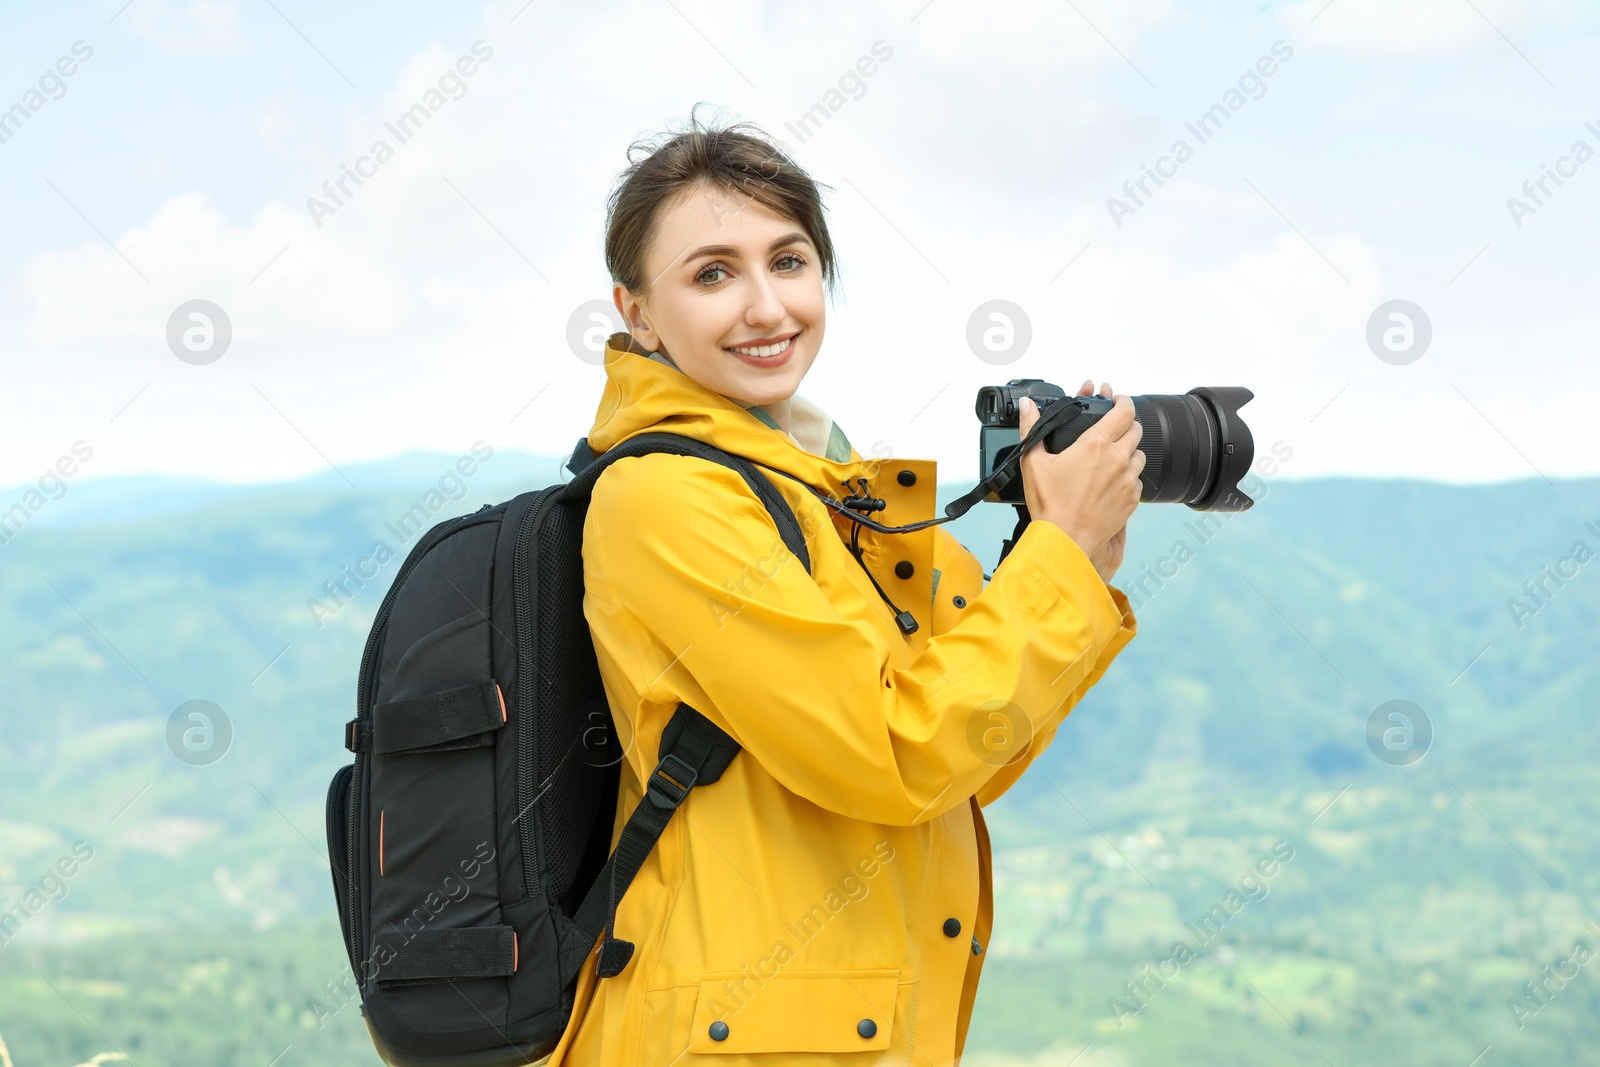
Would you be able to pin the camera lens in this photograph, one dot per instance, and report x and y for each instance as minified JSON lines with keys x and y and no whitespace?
{"x":1196,"y":447}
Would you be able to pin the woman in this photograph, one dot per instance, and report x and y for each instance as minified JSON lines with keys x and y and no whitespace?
{"x":830,"y":894}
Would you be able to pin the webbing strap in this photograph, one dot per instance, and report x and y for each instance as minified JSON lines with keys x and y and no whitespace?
{"x":698,"y":754}
{"x":438,"y":719}
{"x":436,"y":955}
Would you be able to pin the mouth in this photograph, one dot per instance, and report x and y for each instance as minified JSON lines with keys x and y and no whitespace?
{"x":768,"y":352}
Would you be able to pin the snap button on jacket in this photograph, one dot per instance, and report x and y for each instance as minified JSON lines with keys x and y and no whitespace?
{"x":802,"y":901}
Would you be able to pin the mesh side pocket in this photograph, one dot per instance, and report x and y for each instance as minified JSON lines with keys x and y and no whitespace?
{"x":578,"y":750}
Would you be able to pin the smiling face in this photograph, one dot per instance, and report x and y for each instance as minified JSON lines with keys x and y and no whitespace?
{"x":735,"y":297}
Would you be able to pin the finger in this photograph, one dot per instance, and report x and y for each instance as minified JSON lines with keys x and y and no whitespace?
{"x":1123,"y":427}
{"x":1129,"y":441}
{"x":1105,"y":389}
{"x":1115,"y":422}
{"x":1086,"y":388}
{"x":1027,"y":415}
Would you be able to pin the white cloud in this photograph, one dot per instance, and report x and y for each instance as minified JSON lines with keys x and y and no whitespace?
{"x":1391,"y":28}
{"x":321,"y":287}
{"x":259,"y":891}
{"x":1207,"y":288}
{"x":1033,"y":34}
{"x":433,"y":304}
{"x":169,"y":836}
{"x":275,"y":125}
{"x":198,"y":27}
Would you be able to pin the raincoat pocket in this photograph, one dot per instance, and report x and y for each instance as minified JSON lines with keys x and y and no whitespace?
{"x":796,"y":1010}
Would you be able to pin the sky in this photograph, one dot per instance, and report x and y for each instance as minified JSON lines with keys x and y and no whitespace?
{"x":1358,"y":152}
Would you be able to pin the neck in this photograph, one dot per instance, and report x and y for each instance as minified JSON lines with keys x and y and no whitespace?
{"x":779,"y":410}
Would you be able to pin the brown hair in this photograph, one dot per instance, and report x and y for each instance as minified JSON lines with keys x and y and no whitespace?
{"x":740,"y":158}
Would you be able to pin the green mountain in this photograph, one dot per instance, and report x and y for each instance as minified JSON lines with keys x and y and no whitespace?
{"x":196,"y":925}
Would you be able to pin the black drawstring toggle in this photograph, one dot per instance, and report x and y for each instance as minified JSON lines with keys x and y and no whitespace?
{"x":863,"y":501}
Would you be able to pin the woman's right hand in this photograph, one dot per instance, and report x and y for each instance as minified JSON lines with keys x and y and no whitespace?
{"x":1091,"y":487}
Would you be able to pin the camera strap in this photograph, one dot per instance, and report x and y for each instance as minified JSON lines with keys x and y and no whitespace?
{"x":1057,"y":414}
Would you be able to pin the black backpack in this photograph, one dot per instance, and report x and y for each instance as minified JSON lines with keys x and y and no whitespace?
{"x":469,"y":839}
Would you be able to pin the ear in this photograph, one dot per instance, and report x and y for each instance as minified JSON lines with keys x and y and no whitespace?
{"x":635,"y":317}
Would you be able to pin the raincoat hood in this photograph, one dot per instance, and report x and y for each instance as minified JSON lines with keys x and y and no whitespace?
{"x":654,"y":394}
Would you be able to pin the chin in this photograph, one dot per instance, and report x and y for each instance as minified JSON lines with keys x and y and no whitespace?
{"x":769,"y":396}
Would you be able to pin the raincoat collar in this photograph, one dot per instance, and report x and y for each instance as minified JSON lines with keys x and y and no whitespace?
{"x":646,"y":391}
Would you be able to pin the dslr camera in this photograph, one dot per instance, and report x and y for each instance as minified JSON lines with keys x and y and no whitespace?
{"x":1195,"y":444}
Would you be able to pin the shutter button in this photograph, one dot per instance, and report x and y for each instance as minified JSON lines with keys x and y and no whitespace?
{"x":952,"y":927}
{"x":866,"y":1028}
{"x":719,"y":1031}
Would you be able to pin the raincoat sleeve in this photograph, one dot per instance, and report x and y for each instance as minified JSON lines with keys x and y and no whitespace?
{"x":691,"y":589}
{"x":963,"y":570}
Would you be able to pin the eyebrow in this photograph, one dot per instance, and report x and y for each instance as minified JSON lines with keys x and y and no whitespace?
{"x":728,"y":250}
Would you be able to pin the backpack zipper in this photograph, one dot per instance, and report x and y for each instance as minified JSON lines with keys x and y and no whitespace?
{"x":523,"y":575}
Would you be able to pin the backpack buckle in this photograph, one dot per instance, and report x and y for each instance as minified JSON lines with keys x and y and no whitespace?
{"x":355,"y":736}
{"x":664,"y":791}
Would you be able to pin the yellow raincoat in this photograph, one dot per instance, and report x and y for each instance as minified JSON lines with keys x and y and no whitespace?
{"x":828,"y":898}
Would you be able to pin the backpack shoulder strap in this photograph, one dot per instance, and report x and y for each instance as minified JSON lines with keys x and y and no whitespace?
{"x":694,"y":750}
{"x":587,"y":468}
{"x":698,"y":755}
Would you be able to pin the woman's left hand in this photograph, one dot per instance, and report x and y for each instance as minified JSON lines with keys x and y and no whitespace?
{"x":1109,"y":557}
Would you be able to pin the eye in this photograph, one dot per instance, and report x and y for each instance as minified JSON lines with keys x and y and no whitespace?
{"x":713,"y":267}
{"x":717,"y":268}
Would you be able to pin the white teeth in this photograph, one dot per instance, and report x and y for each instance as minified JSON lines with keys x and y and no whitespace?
{"x":763,"y":351}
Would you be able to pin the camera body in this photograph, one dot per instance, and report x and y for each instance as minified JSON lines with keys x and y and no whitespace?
{"x":1195,"y":444}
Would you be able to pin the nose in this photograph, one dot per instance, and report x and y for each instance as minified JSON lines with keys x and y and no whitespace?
{"x":764,"y":307}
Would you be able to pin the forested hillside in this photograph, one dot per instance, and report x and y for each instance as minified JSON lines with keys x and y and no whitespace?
{"x":1410,"y":899}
